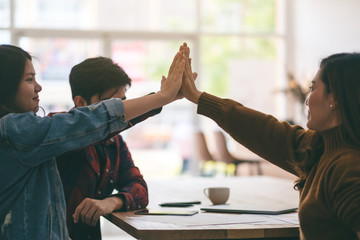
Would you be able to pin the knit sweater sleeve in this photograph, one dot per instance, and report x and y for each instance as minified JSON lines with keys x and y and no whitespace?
{"x":262,"y":134}
{"x":343,"y":180}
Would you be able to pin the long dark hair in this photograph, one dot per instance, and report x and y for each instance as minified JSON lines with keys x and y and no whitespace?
{"x":12,"y":67}
{"x":341,"y":75}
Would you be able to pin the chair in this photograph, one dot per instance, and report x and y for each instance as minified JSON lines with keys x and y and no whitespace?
{"x":222,"y":154}
{"x":201,"y":150}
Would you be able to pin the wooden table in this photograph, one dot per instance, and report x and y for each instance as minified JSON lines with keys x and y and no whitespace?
{"x":213,"y":225}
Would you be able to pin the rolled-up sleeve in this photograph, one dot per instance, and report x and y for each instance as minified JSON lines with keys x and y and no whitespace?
{"x":115,"y":108}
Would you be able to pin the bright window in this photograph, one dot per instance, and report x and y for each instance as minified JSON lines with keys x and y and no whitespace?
{"x":4,"y":13}
{"x":219,"y":51}
{"x":236,"y":46}
{"x":145,"y":60}
{"x":55,"y":14}
{"x":4,"y":37}
{"x":135,"y":15}
{"x":234,"y":16}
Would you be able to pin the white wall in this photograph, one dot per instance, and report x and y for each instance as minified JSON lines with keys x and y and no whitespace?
{"x":321,"y":28}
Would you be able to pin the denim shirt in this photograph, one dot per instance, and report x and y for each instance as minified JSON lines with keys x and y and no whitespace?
{"x":32,"y":204}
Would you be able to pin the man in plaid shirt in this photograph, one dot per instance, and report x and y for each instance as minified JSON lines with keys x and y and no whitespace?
{"x":90,"y":175}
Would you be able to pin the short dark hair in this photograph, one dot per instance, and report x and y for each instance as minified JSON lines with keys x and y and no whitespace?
{"x":12,"y":67}
{"x":96,"y":75}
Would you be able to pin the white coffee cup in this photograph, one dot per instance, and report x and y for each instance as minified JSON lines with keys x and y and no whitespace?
{"x":217,"y":195}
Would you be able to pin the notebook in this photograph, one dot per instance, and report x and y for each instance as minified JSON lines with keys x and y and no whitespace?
{"x":251,"y":208}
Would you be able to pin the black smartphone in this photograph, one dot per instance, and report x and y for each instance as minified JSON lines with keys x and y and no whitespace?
{"x":179,"y":204}
{"x":165,"y":212}
{"x":175,"y":205}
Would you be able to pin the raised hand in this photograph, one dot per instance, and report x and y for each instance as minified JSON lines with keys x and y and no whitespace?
{"x":182,"y":49}
{"x":169,"y":89}
{"x":170,"y":86}
{"x":188,"y":88}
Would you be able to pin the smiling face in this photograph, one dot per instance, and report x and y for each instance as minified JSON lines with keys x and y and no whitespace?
{"x":322,"y":108}
{"x":27,"y":96}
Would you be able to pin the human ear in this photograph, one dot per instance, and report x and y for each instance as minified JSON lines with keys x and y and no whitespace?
{"x":80,"y":101}
{"x":332,"y":102}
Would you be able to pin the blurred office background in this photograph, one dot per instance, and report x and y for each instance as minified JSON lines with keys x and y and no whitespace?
{"x":257,"y":52}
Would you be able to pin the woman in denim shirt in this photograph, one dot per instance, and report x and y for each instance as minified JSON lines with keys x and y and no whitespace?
{"x":32,"y":204}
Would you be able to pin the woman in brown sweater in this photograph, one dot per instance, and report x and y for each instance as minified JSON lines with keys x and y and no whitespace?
{"x":326,"y":158}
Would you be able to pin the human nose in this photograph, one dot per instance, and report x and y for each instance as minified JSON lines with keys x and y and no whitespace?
{"x":307,"y":101}
{"x":38,"y":87}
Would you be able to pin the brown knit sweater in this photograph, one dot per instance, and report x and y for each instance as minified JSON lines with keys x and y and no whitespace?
{"x":329,"y":205}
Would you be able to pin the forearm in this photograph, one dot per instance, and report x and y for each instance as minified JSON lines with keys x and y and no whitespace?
{"x":137,"y":106}
{"x":260,"y":133}
{"x":116,"y":202}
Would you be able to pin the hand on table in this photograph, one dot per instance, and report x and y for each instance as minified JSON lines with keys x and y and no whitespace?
{"x":90,"y":210}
